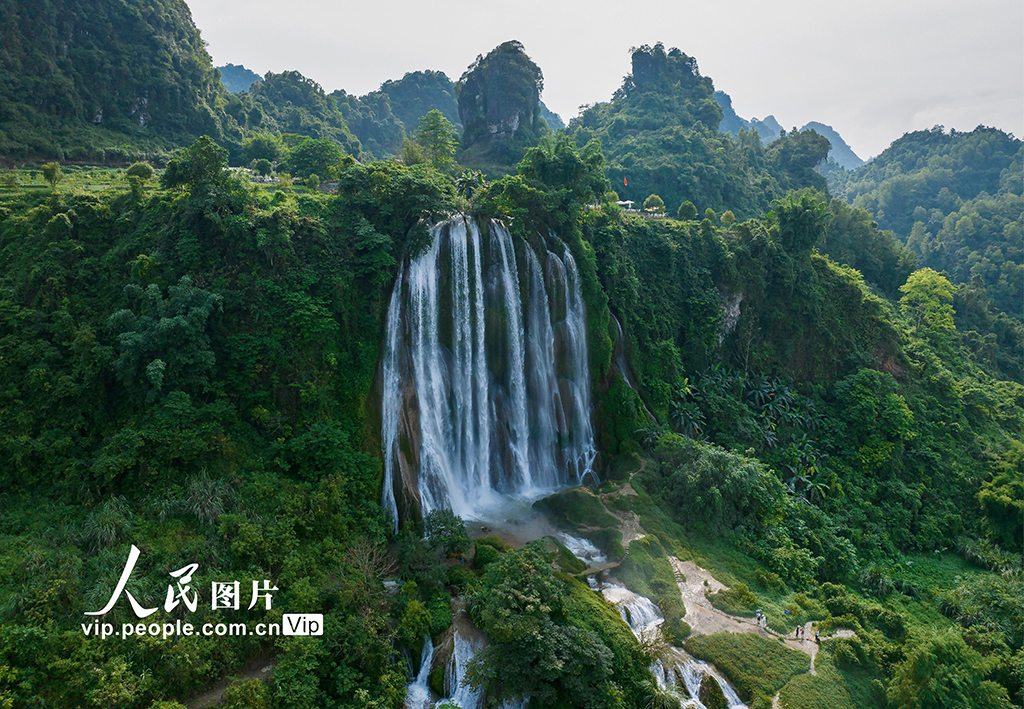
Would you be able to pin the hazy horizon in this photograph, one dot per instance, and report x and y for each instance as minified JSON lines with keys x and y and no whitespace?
{"x":872,"y":70}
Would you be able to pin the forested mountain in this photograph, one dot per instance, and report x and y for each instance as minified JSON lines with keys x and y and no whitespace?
{"x":292,"y":103}
{"x":553,"y":120}
{"x":499,"y":106}
{"x":659,"y":134}
{"x":86,"y":80}
{"x":237,"y":78}
{"x":840,"y":152}
{"x":955,"y":200}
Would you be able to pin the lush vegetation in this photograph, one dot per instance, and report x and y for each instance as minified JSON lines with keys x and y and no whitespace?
{"x":499,"y":106}
{"x":188,"y":372}
{"x":955,"y":200}
{"x":756,"y":665}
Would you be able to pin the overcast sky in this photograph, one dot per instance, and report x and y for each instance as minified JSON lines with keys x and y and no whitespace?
{"x":872,"y":69}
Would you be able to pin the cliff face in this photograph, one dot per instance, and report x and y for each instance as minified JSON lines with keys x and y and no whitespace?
{"x":499,"y":100}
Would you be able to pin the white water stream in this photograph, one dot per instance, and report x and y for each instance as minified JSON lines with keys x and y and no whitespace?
{"x":486,"y":383}
{"x":677,"y":670}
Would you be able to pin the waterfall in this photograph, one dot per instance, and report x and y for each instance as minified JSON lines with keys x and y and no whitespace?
{"x":485,"y":375}
{"x":418,"y":695}
{"x":676,"y":666}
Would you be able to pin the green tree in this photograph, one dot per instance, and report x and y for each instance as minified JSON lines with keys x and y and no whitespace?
{"x":654,"y":204}
{"x":928,"y":300}
{"x":438,"y":138}
{"x":944,"y":672}
{"x":533,"y":651}
{"x":9,"y":179}
{"x":201,"y":165}
{"x":320,"y":156}
{"x":1002,"y":499}
{"x":53,"y":174}
{"x":687,"y":211}
{"x":166,"y":346}
{"x":447,"y":530}
{"x":799,"y":220}
{"x":559,"y":164}
{"x":142,"y":170}
{"x":262,"y":146}
{"x":728,"y":218}
{"x":263,"y":167}
{"x":710,"y":215}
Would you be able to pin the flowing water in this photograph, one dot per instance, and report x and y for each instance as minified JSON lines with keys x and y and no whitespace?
{"x":677,"y":670}
{"x":456,"y":687}
{"x":419,"y":695}
{"x":486,"y":383}
{"x":486,"y":405}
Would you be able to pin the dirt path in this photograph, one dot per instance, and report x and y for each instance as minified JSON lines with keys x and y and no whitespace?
{"x":259,"y":668}
{"x":629,"y":522}
{"x":705,"y":619}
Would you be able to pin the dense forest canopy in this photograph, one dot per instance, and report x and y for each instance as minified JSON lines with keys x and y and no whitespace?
{"x":955,"y":200}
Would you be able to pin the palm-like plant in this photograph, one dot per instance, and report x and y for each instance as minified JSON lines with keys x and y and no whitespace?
{"x":687,"y":418}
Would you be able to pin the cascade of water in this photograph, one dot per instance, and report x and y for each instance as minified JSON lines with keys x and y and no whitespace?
{"x":519,"y":433}
{"x":581,"y":452}
{"x":582,"y":549}
{"x":542,"y":385}
{"x":391,"y":402}
{"x":644,"y":618}
{"x":486,"y":383}
{"x":418,"y":695}
{"x":455,"y":683}
{"x":640,"y":614}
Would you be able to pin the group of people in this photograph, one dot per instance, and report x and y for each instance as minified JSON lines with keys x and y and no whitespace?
{"x":801,"y":631}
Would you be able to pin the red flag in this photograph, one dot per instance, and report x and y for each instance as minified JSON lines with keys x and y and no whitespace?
{"x":624,"y":183}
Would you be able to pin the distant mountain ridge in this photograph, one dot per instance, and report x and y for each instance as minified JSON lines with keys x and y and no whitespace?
{"x":237,"y":78}
{"x":841,"y":152}
{"x":769,"y":129}
{"x":660,"y":135}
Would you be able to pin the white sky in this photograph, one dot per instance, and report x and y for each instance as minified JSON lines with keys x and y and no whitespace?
{"x":872,"y":69}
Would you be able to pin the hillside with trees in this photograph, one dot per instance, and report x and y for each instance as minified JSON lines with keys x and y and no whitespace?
{"x":89,"y":81}
{"x":955,"y":200}
{"x":660,"y":135}
{"x":237,"y":78}
{"x":499,"y":107}
{"x":191,"y":370}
